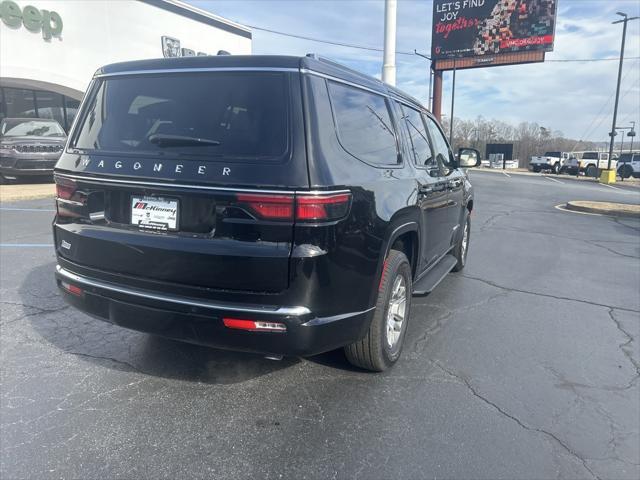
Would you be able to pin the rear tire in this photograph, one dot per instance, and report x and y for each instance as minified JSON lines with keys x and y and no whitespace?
{"x":382,"y":345}
{"x":462,"y":247}
{"x":556,"y":168}
{"x":626,"y":171}
{"x":591,"y":171}
{"x":536,"y":169}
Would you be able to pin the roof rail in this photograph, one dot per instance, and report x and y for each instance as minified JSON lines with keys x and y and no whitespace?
{"x":329,"y":61}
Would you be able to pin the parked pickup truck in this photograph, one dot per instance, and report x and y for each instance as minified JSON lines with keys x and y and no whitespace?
{"x":553,"y":161}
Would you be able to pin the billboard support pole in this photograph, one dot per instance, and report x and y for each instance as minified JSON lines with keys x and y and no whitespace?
{"x":437,"y":94}
{"x":453,"y":100}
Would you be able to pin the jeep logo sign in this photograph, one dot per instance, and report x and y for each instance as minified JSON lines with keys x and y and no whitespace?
{"x":33,"y":19}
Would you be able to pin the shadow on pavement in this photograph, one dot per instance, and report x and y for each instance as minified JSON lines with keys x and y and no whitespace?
{"x":114,"y":347}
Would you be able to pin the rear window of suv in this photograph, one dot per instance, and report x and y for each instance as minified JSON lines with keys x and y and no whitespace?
{"x":222,"y":114}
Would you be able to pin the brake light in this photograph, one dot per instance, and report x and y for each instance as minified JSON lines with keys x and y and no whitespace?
{"x":254,"y":326}
{"x":322,"y":207}
{"x":304,"y":208}
{"x":271,"y":207}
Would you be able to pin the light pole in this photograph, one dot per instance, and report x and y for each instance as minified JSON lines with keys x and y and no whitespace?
{"x":389,"y":54}
{"x":430,"y":74}
{"x":624,"y":21}
{"x":632,"y":134}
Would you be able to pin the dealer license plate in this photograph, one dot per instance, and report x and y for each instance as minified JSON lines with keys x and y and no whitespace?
{"x":154,"y":213}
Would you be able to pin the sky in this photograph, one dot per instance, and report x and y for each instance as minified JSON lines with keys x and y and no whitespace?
{"x":575,"y":98}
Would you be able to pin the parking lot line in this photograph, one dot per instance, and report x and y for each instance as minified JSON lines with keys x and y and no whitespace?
{"x":26,"y":245}
{"x":10,"y":209}
{"x":611,"y":186}
{"x":505,"y":173}
{"x":553,"y":180}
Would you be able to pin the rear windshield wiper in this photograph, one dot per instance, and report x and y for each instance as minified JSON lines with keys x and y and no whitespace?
{"x":165,"y":140}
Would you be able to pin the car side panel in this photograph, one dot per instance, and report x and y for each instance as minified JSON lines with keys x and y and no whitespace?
{"x":383,"y":199}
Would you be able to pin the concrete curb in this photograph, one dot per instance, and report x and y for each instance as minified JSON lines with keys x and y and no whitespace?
{"x":605,"y":208}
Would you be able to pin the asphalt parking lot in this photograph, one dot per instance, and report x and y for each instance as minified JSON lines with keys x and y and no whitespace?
{"x":526,"y":365}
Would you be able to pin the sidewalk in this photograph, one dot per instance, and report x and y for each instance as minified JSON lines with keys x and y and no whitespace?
{"x":13,"y":193}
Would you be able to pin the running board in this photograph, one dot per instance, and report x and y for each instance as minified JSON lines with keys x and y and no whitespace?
{"x":431,"y":280}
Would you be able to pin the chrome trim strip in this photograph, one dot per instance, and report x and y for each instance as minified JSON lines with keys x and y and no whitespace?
{"x":340,"y":80}
{"x":335,"y":318}
{"x":286,"y":311}
{"x":70,"y":202}
{"x":390,"y":94}
{"x":194,"y":187}
{"x":196,"y":70}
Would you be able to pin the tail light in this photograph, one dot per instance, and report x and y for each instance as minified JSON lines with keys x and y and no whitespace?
{"x":322,"y":207}
{"x":269,"y":207}
{"x":70,"y":201}
{"x":301,"y":208}
{"x":254,"y":326}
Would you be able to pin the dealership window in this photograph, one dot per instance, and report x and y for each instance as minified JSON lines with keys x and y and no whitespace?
{"x":19,"y":102}
{"x":50,"y":105}
{"x":24,"y":102}
{"x":364,"y":124}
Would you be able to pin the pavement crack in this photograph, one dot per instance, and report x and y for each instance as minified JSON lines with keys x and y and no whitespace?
{"x":624,"y":347}
{"x":547,"y":295}
{"x":109,"y":359}
{"x":506,"y":414}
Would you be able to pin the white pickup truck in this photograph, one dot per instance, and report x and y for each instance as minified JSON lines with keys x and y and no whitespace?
{"x":553,"y":161}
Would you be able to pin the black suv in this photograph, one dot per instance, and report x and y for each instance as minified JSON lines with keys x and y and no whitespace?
{"x":272,"y":204}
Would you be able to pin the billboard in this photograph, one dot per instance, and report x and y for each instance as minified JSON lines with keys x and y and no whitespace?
{"x":478,"y":28}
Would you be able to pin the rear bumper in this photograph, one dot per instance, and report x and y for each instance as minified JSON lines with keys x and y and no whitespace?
{"x":197,"y":321}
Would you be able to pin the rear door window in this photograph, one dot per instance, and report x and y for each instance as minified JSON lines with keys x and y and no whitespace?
{"x":364,"y":125}
{"x":418,"y":139}
{"x":440,"y":145}
{"x":222,"y":114}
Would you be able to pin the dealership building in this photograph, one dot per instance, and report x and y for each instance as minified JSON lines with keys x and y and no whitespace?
{"x":49,"y":49}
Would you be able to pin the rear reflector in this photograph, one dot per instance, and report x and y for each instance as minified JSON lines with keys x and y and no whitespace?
{"x":254,"y":326}
{"x":72,"y":289}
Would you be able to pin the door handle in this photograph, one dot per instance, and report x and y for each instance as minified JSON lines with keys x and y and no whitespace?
{"x":425,"y":190}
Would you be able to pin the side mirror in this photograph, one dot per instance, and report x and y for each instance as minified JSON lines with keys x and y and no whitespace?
{"x":468,"y":158}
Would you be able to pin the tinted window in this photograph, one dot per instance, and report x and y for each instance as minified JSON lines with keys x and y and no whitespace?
{"x":364,"y":124}
{"x":553,"y":154}
{"x":590,"y":156}
{"x":226,"y":115}
{"x":440,"y":145}
{"x":419,"y":141}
